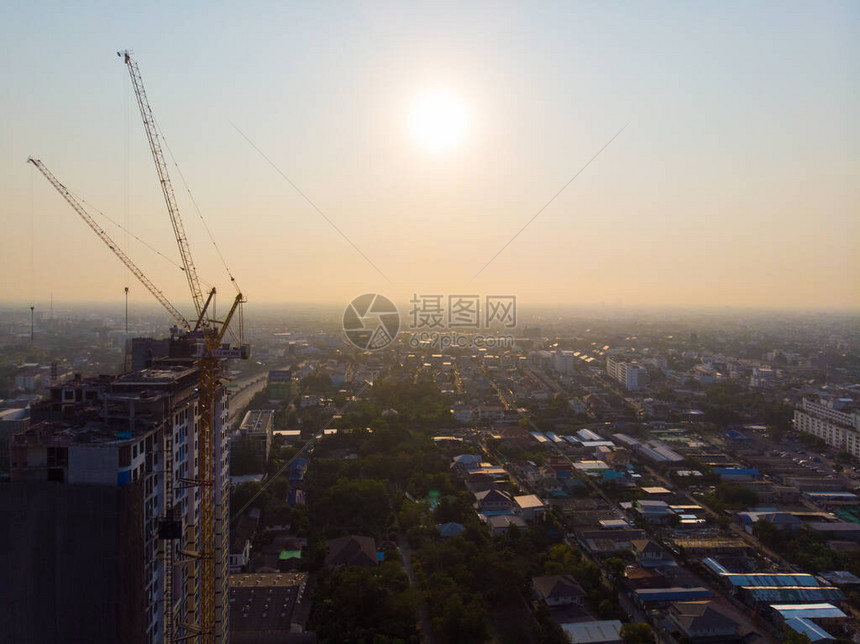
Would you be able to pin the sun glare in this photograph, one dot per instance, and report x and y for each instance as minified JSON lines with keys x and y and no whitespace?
{"x":439,"y":121}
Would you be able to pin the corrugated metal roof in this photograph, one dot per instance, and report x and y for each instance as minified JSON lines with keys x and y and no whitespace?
{"x":593,"y":632}
{"x":627,"y":440}
{"x":805,"y":627}
{"x":808,"y":611}
{"x":715,"y":566}
{"x":764,"y":579}
{"x":794,"y":594}
{"x":671,"y":594}
{"x":588,"y":435}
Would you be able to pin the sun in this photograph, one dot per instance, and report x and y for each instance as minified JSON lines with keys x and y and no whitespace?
{"x":439,"y":121}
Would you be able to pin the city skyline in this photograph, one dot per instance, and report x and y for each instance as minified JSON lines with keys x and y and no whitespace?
{"x":730,"y":187}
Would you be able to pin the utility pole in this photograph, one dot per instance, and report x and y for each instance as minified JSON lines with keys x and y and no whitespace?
{"x":32,"y":324}
{"x":126,"y":312}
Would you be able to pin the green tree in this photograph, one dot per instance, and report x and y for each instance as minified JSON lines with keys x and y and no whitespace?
{"x":793,"y":637}
{"x":615,"y":567}
{"x":637,"y":633}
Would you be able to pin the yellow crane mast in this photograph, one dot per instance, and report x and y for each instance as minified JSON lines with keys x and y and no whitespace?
{"x":211,"y":352}
{"x":210,"y":363}
{"x":208,"y":334}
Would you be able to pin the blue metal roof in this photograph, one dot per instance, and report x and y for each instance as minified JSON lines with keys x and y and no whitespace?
{"x":771,"y":580}
{"x":811,"y":630}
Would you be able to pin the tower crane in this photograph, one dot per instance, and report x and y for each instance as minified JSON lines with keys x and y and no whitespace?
{"x":210,"y":351}
{"x":211,"y":356}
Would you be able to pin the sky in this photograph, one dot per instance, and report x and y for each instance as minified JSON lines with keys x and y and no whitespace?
{"x":733,"y":183}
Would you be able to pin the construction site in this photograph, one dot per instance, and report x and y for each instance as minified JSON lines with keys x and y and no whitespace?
{"x":133,"y":546}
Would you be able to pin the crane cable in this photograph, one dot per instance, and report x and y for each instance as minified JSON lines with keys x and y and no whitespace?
{"x":135,"y":237}
{"x":125,"y":230}
{"x":32,"y":243}
{"x":197,"y":208}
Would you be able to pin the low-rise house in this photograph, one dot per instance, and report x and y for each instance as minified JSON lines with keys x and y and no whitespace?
{"x":608,"y":542}
{"x":298,"y":468}
{"x":464,"y":463}
{"x":649,"y":554}
{"x":240,"y":540}
{"x":353,"y":550}
{"x":782,"y":520}
{"x":478,"y":481}
{"x":657,"y":493}
{"x":558,"y":590}
{"x":529,"y":507}
{"x":492,"y":502}
{"x":619,"y":457}
{"x":652,"y":511}
{"x":295,"y":497}
{"x":638,"y":577}
{"x":240,"y":554}
{"x":590,"y":467}
{"x":500,"y":524}
{"x":551,"y":486}
{"x":702,"y":621}
{"x":558,"y":466}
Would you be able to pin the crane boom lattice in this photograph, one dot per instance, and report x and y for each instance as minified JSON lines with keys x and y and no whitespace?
{"x":164,"y":179}
{"x":78,"y":207}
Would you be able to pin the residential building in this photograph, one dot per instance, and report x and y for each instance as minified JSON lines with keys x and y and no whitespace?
{"x":12,"y":421}
{"x":653,"y":511}
{"x":493,"y":502}
{"x":702,"y":620}
{"x":649,"y":554}
{"x":838,"y":428}
{"x":100,"y":474}
{"x":632,"y":376}
{"x":529,"y":507}
{"x":353,"y":550}
{"x":558,"y":590}
{"x":257,"y":426}
{"x":499,"y":524}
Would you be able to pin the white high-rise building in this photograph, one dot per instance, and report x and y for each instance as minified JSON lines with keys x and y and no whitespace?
{"x":632,"y":376}
{"x":822,"y":418}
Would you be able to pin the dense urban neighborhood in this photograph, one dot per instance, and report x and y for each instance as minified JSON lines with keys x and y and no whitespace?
{"x":608,"y":478}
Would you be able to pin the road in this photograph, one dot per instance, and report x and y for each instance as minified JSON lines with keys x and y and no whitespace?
{"x":424,"y":616}
{"x":239,"y":398}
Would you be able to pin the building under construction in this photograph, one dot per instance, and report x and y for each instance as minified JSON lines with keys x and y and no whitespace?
{"x":103,"y":512}
{"x":157,"y":435}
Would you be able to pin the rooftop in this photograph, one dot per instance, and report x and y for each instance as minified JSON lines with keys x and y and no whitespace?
{"x":264,"y":601}
{"x":61,"y":434}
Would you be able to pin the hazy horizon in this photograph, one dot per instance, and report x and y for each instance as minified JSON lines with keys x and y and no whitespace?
{"x":733,"y":185}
